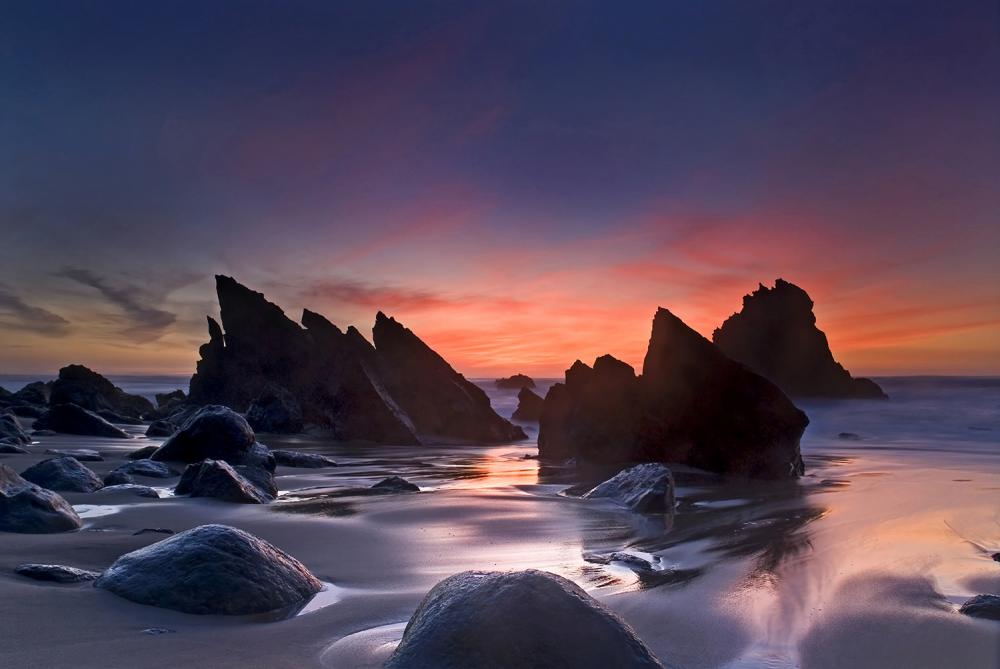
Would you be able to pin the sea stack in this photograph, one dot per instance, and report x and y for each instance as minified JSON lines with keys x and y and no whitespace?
{"x":691,"y":405}
{"x":775,"y":335}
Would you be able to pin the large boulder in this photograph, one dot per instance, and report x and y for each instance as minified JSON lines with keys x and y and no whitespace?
{"x":775,"y":335}
{"x":218,"y":479}
{"x":529,"y":406}
{"x":29,"y":509}
{"x":515,"y":382}
{"x":516,"y":619}
{"x":275,"y":410}
{"x":36,"y":393}
{"x":211,"y":569}
{"x":72,"y":419}
{"x":646,"y":488}
{"x":215,"y":432}
{"x":11,"y":430}
{"x":86,"y":388}
{"x":691,"y":405}
{"x":64,"y":473}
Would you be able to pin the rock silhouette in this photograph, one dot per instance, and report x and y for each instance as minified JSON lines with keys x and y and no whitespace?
{"x":65,"y":474}
{"x":529,"y":406}
{"x":691,"y":405}
{"x":72,"y":419}
{"x":86,"y":388}
{"x":397,"y":391}
{"x":775,"y":335}
{"x":515,"y":382}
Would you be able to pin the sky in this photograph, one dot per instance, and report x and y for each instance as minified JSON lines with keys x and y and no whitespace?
{"x":520,"y":183}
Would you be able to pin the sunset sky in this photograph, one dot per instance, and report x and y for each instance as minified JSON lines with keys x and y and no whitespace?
{"x":520,"y":183}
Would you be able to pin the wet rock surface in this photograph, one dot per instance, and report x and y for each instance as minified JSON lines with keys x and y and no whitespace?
{"x":63,"y":474}
{"x":72,"y":419}
{"x":56,"y":573}
{"x":299,"y":459}
{"x":81,"y":454}
{"x":87,"y":389}
{"x":218,"y":479}
{"x":30,"y":509}
{"x":646,"y":488}
{"x":982,"y":606}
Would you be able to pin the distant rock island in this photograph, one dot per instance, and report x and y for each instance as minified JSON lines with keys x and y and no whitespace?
{"x":691,"y":405}
{"x":776,"y":336}
{"x":515,"y":382}
{"x":396,"y":391}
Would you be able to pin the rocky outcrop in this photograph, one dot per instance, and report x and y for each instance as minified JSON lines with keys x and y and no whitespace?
{"x":299,"y":459}
{"x":65,"y":474}
{"x":516,"y":619}
{"x":691,"y":405}
{"x":529,"y":406}
{"x":398,"y":391}
{"x":215,"y":478}
{"x":55,"y":573}
{"x":29,"y":509}
{"x":982,"y":606}
{"x":71,"y":419}
{"x":646,"y":488}
{"x":215,"y":432}
{"x":275,"y":410}
{"x":515,"y":382}
{"x":211,"y":569}
{"x":11,"y":430}
{"x":85,"y":388}
{"x":173,"y":398}
{"x":35,"y":393}
{"x":775,"y":335}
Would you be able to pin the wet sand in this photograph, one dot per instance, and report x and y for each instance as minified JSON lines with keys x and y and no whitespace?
{"x":861,"y":563}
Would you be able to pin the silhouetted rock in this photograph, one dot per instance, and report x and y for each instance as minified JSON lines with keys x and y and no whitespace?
{"x":9,"y":447}
{"x":298,"y":459}
{"x":776,"y":336}
{"x":118,"y":477}
{"x":646,"y":488}
{"x":36,"y":393}
{"x":515,"y":382}
{"x":29,"y":509}
{"x":691,"y":405}
{"x":88,"y":389}
{"x":215,"y":432}
{"x":529,"y":406}
{"x":173,"y":398}
{"x":275,"y":410}
{"x":211,"y":569}
{"x":56,"y":573}
{"x":142,"y":453}
{"x":392,"y":484}
{"x":148,"y":468}
{"x":116,"y":418}
{"x":26,"y":410}
{"x":160,"y":428}
{"x":215,"y":478}
{"x":11,"y":429}
{"x":43,"y":433}
{"x":64,"y":474}
{"x":849,"y":436}
{"x":397,"y":392}
{"x":516,"y":619}
{"x":71,"y":419}
{"x":81,"y":454}
{"x":983,"y":606}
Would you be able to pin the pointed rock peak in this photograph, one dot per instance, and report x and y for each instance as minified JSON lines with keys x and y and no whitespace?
{"x":313,"y":321}
{"x":671,"y":331}
{"x":247,"y":312}
{"x":578,"y":375}
{"x":610,"y":367}
{"x":214,"y":331}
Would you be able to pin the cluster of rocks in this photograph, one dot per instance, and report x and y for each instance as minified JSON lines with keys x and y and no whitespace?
{"x":515,"y":382}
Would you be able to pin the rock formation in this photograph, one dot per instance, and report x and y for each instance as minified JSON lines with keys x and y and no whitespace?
{"x":516,"y":619}
{"x":776,"y":336}
{"x":88,"y":389}
{"x":691,"y":405}
{"x":56,"y":573}
{"x":10,"y":429}
{"x":397,"y":391}
{"x":529,"y":406}
{"x":299,"y":459}
{"x":646,"y":488}
{"x":211,"y":569}
{"x":64,"y":474}
{"x":29,"y":509}
{"x":215,"y":432}
{"x":71,"y":419}
{"x":218,"y":479}
{"x":982,"y":606}
{"x":515,"y":382}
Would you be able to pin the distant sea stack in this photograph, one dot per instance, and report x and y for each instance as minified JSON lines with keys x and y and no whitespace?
{"x":397,"y":391}
{"x":776,"y":336}
{"x":515,"y":382}
{"x":691,"y":405}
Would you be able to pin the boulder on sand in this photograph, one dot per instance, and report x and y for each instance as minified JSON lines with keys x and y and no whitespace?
{"x":275,"y":410}
{"x":11,"y":429}
{"x":516,"y":619}
{"x":72,"y":419}
{"x":29,"y":509}
{"x":145,"y":467}
{"x":129,"y":489}
{"x":142,"y":453}
{"x":529,"y":406}
{"x":160,"y":428}
{"x":299,"y":459}
{"x":211,"y":569}
{"x":81,"y":454}
{"x":982,"y":606}
{"x":64,"y":473}
{"x":56,"y":573}
{"x":515,"y":382}
{"x":646,"y":488}
{"x":117,"y":477}
{"x":86,"y":388}
{"x":393,"y":484}
{"x":214,"y":432}
{"x":218,"y":479}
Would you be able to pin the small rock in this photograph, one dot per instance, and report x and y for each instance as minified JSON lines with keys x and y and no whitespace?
{"x":646,"y":488}
{"x":66,"y":474}
{"x":142,"y":453}
{"x":133,"y":488}
{"x":30,"y":509}
{"x":299,"y":459}
{"x":81,"y":454}
{"x":152,"y":530}
{"x":156,"y":631}
{"x":56,"y":573}
{"x":11,"y":429}
{"x":395,"y":484}
{"x":850,"y":436}
{"x":43,"y":433}
{"x":150,"y":468}
{"x":982,"y":606}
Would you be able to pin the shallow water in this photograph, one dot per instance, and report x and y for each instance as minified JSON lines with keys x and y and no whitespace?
{"x":861,"y":563}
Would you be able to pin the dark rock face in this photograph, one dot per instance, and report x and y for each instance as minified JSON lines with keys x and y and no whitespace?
{"x":215,"y":432}
{"x":529,"y":406}
{"x":117,"y":418}
{"x":88,"y":389}
{"x":983,"y":606}
{"x":215,"y":478}
{"x":36,"y":393}
{"x":29,"y":509}
{"x":646,"y":488}
{"x":297,"y":459}
{"x":142,"y":453}
{"x":56,"y":573}
{"x":398,"y":391}
{"x":392,"y":484}
{"x":11,"y":429}
{"x":776,"y":336}
{"x":129,"y":488}
{"x":172,"y":398}
{"x":516,"y":619}
{"x":71,"y":419}
{"x":160,"y":428}
{"x":150,"y":468}
{"x":211,"y":569}
{"x":275,"y":410}
{"x":691,"y":405}
{"x":26,"y":410}
{"x":9,"y":448}
{"x":64,"y":474}
{"x":515,"y":382}
{"x":81,"y":454}
{"x":118,"y":477}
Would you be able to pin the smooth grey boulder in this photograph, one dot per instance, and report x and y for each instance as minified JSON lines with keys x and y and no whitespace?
{"x":56,"y":573}
{"x":29,"y":509}
{"x":160,"y":428}
{"x":982,"y":606}
{"x":64,"y":473}
{"x":516,"y":619}
{"x":646,"y":488}
{"x":211,"y":569}
{"x":130,"y":488}
{"x":81,"y":454}
{"x":142,"y":453}
{"x":299,"y":459}
{"x":150,"y":468}
{"x":11,"y":429}
{"x":215,"y":432}
{"x":275,"y":410}
{"x":71,"y":419}
{"x":218,"y":479}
